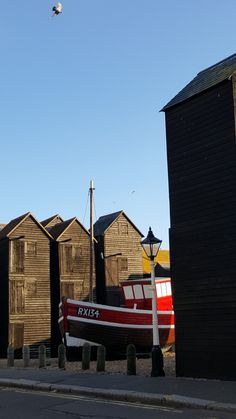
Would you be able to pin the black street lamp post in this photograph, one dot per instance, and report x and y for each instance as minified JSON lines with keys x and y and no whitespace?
{"x":151,"y":246}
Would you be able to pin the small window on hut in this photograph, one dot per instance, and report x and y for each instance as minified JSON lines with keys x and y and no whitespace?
{"x":76,"y":258}
{"x":123,"y":263}
{"x":68,"y":258}
{"x":31,"y":288}
{"x":16,"y":297}
{"x":123,"y":229}
{"x":67,"y":289}
{"x":76,"y":252}
{"x":17,"y":256}
{"x":31,"y":248}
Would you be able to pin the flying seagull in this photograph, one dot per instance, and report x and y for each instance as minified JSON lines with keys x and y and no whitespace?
{"x":57,"y":9}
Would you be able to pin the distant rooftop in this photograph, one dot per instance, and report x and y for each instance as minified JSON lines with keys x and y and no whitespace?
{"x":207,"y":78}
{"x":57,"y":229}
{"x":54,"y":219}
{"x":104,"y":222}
{"x":9,"y":228}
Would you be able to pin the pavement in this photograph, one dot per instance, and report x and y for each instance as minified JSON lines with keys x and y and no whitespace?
{"x":165,"y":391}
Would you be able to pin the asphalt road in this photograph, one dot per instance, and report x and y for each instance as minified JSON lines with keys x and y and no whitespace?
{"x":21,"y":404}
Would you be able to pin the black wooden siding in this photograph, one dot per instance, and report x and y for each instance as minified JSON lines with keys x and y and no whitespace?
{"x":100,"y":271}
{"x":55,"y":297}
{"x":201,"y":156}
{"x":202,"y":186}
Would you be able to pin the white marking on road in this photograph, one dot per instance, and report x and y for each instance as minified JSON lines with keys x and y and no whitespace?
{"x":134,"y":405}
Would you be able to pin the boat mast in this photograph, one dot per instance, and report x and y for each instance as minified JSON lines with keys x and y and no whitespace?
{"x":91,"y":189}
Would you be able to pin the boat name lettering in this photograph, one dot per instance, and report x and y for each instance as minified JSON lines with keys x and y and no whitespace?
{"x":88,"y":312}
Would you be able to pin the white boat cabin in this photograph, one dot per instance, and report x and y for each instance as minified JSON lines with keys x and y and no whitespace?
{"x":138,"y":293}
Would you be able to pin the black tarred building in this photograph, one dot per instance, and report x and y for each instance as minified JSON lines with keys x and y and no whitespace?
{"x":201,"y":152}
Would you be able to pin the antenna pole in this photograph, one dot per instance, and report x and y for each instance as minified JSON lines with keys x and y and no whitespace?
{"x":91,"y":189}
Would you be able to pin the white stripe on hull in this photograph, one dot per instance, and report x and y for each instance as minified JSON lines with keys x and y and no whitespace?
{"x":124,"y":325}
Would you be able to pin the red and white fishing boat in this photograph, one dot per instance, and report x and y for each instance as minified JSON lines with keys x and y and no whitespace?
{"x":116,"y":327}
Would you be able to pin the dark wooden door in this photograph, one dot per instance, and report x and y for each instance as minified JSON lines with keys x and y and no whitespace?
{"x":17,"y":338}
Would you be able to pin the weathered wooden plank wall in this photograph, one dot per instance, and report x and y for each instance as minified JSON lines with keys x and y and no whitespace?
{"x":74,"y":261}
{"x":122,"y":238}
{"x":70,"y":270}
{"x":4,"y":313}
{"x":25,"y":284}
{"x":122,"y":259}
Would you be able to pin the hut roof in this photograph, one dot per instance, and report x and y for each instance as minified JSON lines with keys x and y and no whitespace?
{"x":50,"y":219}
{"x":104,"y":222}
{"x":10,"y":227}
{"x":204,"y":80}
{"x":58,"y":229}
{"x":161,"y":270}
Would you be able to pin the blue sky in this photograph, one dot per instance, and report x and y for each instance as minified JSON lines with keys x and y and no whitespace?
{"x":80,"y":96}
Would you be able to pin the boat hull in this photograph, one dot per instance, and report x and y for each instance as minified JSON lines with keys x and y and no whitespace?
{"x":113,"y":327}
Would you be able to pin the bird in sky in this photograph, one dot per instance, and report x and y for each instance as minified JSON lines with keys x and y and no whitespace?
{"x":57,"y":9}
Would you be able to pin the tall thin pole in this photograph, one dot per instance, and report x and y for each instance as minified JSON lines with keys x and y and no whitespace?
{"x":151,"y":247}
{"x":156,"y":340}
{"x":91,"y":189}
{"x":157,"y":356}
